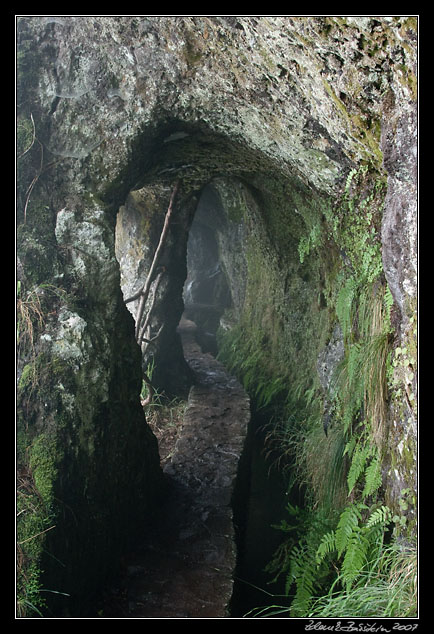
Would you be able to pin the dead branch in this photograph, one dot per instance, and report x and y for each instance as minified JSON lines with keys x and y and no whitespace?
{"x":151,"y":390}
{"x":148,"y":316}
{"x":147,"y":285}
{"x":133,"y":297}
{"x":34,"y":181}
{"x":37,"y":535}
{"x":141,"y":322}
{"x":155,"y":337}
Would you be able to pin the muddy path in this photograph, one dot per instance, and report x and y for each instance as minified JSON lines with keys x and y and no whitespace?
{"x":186,"y":567}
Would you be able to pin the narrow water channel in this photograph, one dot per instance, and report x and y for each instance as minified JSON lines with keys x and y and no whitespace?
{"x":259,"y":505}
{"x":186,"y":564}
{"x":206,"y":550}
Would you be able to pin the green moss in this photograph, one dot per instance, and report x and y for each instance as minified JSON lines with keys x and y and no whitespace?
{"x":25,"y":135}
{"x":273,"y":350}
{"x":408,"y":79}
{"x":27,"y":378}
{"x":355,"y":223}
{"x":37,"y":251}
{"x":338,"y":103}
{"x":366,"y":131}
{"x":192,"y":54}
{"x":35,"y":517}
{"x":44,"y":463}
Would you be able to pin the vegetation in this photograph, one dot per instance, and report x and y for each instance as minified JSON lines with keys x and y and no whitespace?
{"x":36,"y":455}
{"x":340,"y":556}
{"x":36,"y":515}
{"x":32,"y":522}
{"x":247,"y":358}
{"x":164,"y":416}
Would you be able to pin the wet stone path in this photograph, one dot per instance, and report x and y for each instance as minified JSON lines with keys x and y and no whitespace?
{"x":186,"y":567}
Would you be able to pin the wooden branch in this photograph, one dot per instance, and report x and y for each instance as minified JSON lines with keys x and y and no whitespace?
{"x":155,"y":337}
{"x":147,"y":285}
{"x":148,"y":316}
{"x":133,"y":297}
{"x":34,"y":181}
{"x":151,"y":390}
{"x":143,"y":293}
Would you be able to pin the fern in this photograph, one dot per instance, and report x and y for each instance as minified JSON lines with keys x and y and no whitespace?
{"x":350,"y":446}
{"x":353,"y":541}
{"x":348,"y":520}
{"x":326,"y":547}
{"x":349,"y":178}
{"x":269,"y":390}
{"x":388,"y":303}
{"x":350,"y":550}
{"x":355,"y":556}
{"x":381,"y":515}
{"x":360,"y":456}
{"x":373,"y":479}
{"x":353,"y":365}
{"x":344,"y":306}
{"x":303,"y":571}
{"x":387,"y":588}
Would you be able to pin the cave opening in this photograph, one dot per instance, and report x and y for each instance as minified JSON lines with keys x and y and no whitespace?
{"x":206,"y":294}
{"x":261,"y":492}
{"x":206,"y":283}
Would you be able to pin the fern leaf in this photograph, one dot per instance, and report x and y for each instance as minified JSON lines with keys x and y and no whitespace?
{"x":304,"y":574}
{"x":327,"y":546}
{"x":344,"y":304}
{"x":353,"y":365}
{"x":349,"y":179}
{"x":373,"y":479}
{"x":355,"y":558}
{"x":388,"y":303}
{"x":360,"y":456}
{"x":296,"y":561}
{"x":349,"y":447}
{"x":381,"y":515}
{"x":348,"y":522}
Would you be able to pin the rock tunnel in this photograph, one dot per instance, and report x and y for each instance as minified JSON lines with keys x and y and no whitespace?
{"x":209,"y":258}
{"x":292,"y":245}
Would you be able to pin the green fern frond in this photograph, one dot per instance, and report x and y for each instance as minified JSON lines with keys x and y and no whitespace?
{"x":360,"y":456}
{"x":350,"y":445}
{"x":296,"y":562}
{"x":354,"y":365}
{"x":348,"y":522}
{"x":344,"y":306}
{"x":373,"y":478}
{"x":326,"y":547}
{"x":381,"y":515}
{"x":303,"y":572}
{"x":355,"y":557}
{"x":348,"y":180}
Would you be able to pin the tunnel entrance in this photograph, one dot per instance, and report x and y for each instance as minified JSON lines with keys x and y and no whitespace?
{"x":260,"y":494}
{"x":213,"y":289}
{"x":206,"y":293}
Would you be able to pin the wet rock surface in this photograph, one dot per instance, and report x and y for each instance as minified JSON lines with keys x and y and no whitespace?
{"x":186,"y":567}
